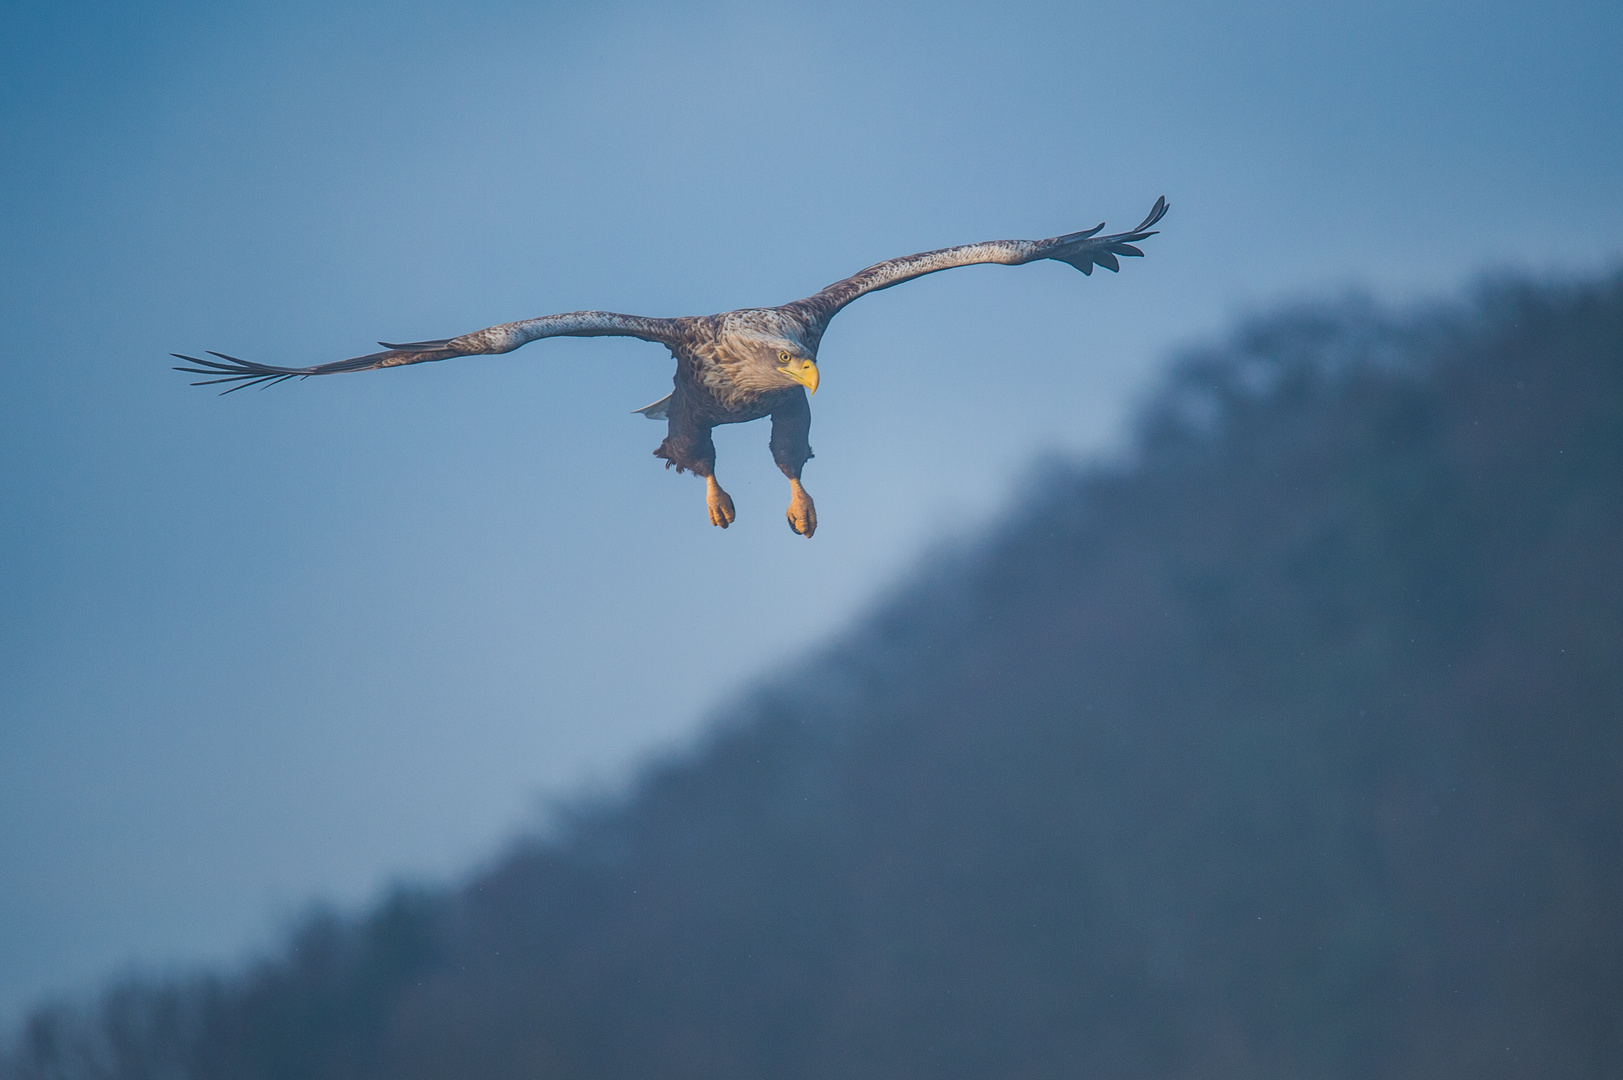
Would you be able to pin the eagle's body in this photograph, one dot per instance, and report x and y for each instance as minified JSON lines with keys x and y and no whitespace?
{"x":730,"y":368}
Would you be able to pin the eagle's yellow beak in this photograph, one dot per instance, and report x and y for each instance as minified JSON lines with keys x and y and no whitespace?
{"x":803,"y":372}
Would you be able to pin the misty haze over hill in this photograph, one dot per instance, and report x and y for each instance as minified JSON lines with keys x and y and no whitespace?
{"x":1291,"y":746}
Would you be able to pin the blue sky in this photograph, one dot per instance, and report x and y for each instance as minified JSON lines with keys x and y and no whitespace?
{"x":291,"y":645}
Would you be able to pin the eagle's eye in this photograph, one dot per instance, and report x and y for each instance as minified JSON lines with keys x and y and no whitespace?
{"x":783,"y":356}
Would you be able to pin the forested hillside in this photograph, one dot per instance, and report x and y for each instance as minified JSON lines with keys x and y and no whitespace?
{"x":1291,"y":745}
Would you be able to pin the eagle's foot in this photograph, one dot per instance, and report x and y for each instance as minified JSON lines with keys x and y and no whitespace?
{"x":721,"y":503}
{"x":802,"y":513}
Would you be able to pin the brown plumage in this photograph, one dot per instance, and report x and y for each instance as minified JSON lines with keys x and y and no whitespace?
{"x":730,"y":368}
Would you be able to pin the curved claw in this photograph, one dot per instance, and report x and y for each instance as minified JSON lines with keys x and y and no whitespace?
{"x":802,"y":512}
{"x":720,"y":503}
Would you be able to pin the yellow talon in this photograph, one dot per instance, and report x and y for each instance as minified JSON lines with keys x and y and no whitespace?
{"x":720,"y":503}
{"x":802,"y":513}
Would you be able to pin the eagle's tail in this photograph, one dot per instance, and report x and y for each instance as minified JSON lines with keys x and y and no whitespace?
{"x":658,"y":409}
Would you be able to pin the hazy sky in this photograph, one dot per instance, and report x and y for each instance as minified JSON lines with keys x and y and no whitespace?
{"x":286,"y":645}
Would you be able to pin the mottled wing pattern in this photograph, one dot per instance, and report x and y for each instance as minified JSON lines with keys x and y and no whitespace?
{"x":1083,"y":250}
{"x":491,"y":340}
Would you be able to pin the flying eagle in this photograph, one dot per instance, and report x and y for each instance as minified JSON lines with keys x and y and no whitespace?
{"x":730,"y":368}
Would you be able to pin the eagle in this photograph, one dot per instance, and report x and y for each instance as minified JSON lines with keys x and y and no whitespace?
{"x":730,"y":368}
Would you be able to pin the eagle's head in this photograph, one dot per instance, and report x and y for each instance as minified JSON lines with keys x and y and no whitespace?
{"x":795,"y":363}
{"x":771,"y":349}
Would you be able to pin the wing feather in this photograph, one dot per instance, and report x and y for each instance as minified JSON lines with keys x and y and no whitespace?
{"x":489,"y":341}
{"x":1083,"y":250}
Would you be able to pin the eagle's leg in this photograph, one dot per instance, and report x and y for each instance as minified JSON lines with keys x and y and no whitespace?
{"x":689,"y":447}
{"x":791,"y":426}
{"x":802,"y":512}
{"x":721,"y":503}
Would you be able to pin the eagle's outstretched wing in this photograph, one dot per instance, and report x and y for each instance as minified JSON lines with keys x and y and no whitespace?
{"x":494,"y":339}
{"x":1083,"y":250}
